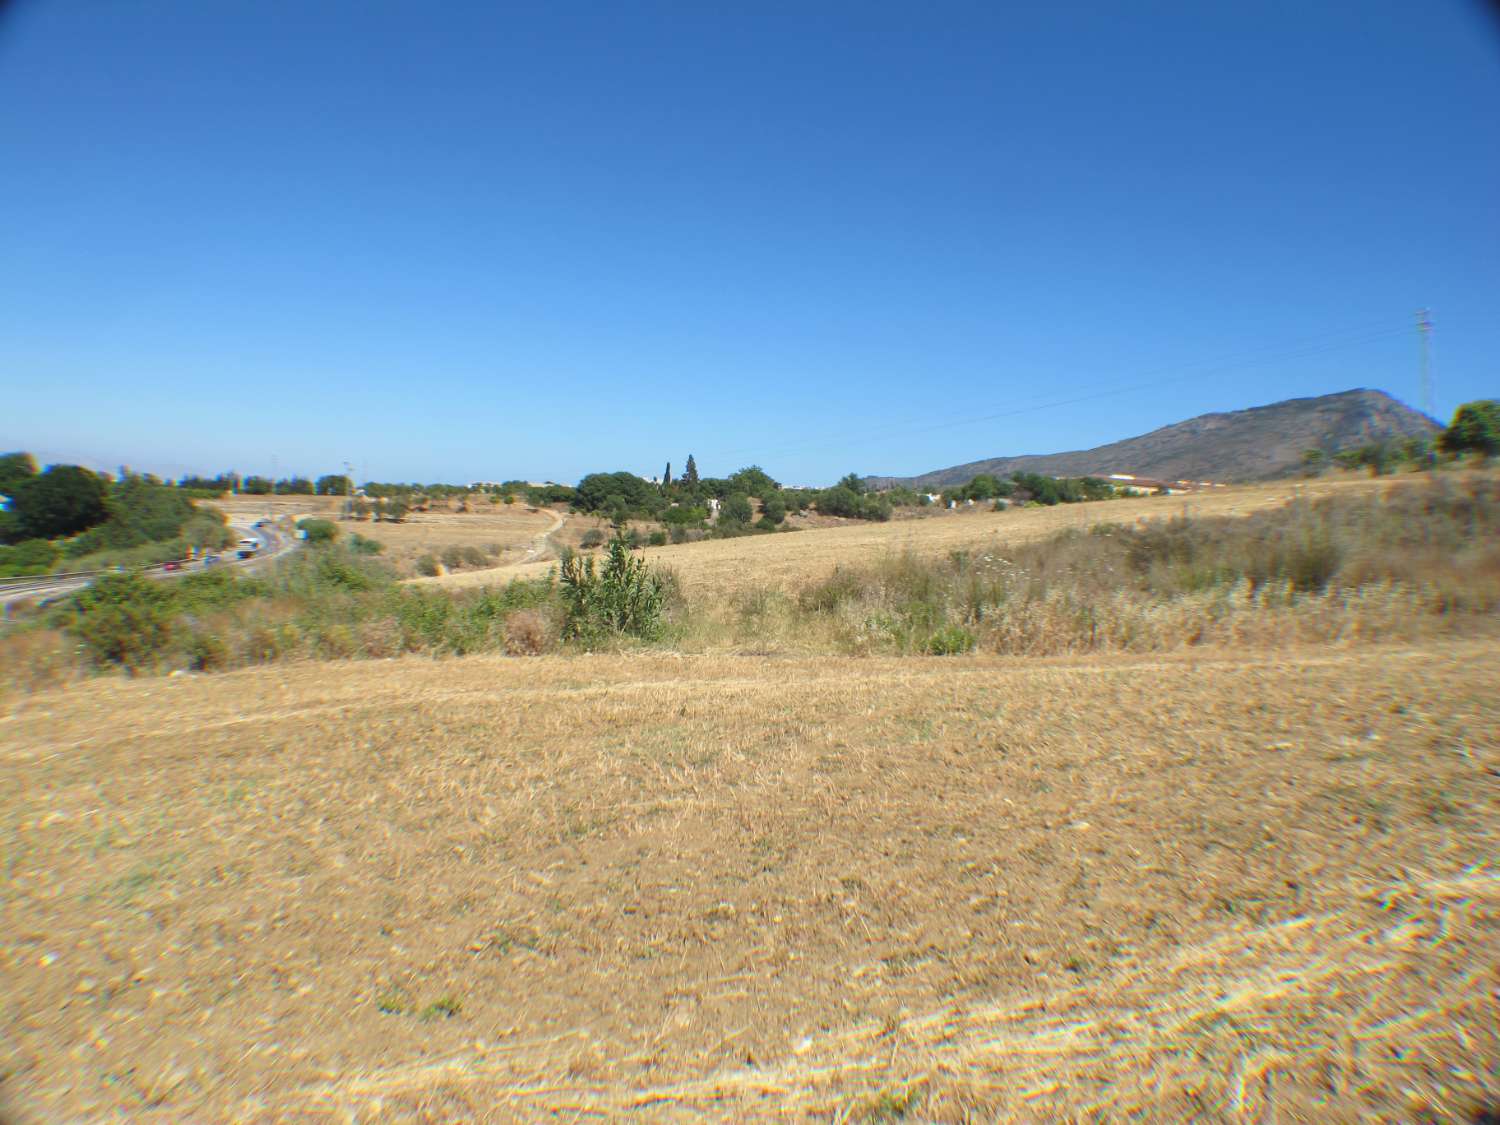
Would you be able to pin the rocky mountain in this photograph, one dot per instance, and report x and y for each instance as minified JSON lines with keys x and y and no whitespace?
{"x":1264,"y":441}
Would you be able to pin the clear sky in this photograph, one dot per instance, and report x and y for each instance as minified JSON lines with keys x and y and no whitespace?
{"x":450,"y":241}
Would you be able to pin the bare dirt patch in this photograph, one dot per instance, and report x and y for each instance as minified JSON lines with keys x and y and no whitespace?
{"x":498,"y":889}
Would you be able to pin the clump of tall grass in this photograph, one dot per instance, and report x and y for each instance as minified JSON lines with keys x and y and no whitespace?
{"x":1338,"y":568}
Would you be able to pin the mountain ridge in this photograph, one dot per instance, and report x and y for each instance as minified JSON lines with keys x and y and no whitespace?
{"x":1250,"y":444}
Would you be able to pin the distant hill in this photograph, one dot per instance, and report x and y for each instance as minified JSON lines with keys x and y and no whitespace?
{"x":1264,"y":441}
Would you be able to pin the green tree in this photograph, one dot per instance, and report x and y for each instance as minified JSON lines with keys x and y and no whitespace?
{"x":773,"y":510}
{"x":736,"y":509}
{"x":64,"y":500}
{"x":141,"y":510}
{"x":1475,"y":429}
{"x":394,"y":509}
{"x":294,"y":486}
{"x":753,"y":481}
{"x":257,"y":486}
{"x":853,"y":483}
{"x":334,"y":484}
{"x":15,"y":468}
{"x":666,"y":477}
{"x":690,"y":472}
{"x":615,"y":493}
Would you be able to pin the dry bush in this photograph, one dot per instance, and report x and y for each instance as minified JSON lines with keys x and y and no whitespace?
{"x":1419,"y":561}
{"x":34,"y":659}
{"x":529,"y":632}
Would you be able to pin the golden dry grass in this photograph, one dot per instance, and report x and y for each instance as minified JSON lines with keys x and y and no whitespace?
{"x":791,"y":559}
{"x":1214,"y":886}
{"x":508,"y":533}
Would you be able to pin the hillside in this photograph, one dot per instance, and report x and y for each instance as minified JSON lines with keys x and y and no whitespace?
{"x":1264,"y":441}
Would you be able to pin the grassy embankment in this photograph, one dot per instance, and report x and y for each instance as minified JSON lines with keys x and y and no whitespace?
{"x":1404,"y":562}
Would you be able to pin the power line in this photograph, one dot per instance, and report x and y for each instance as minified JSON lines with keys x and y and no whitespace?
{"x":1424,"y":330}
{"x":1345,"y":338}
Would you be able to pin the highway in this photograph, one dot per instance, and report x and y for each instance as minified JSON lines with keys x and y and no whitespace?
{"x":276,"y":542}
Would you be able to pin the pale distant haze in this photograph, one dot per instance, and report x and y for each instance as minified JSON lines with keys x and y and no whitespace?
{"x":462,"y":241}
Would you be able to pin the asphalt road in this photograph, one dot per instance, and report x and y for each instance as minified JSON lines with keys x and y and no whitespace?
{"x":276,"y":543}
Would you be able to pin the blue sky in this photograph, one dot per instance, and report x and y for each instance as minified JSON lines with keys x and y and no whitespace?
{"x":475,"y":240}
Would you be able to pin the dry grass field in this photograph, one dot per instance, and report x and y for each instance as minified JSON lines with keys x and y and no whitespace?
{"x":789,"y":559}
{"x":1210,"y":886}
{"x":507,"y":534}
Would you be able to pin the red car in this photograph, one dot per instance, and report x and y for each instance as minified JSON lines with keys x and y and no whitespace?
{"x":173,"y":565}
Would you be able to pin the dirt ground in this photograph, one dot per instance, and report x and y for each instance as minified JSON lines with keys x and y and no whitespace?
{"x":1212,"y":887}
{"x":504,"y":532}
{"x":789,"y":559}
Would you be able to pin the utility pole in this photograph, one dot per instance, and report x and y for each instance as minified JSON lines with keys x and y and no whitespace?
{"x":348,"y":491}
{"x":1424,"y":332}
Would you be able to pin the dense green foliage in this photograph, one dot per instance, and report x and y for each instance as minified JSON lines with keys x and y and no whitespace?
{"x":736,"y":509}
{"x":318,"y":531}
{"x":327,"y":601}
{"x":64,"y":500}
{"x":844,"y":500}
{"x":623,"y":598}
{"x":334,"y":484}
{"x":123,"y":619}
{"x":211,"y":486}
{"x":619,"y":495}
{"x":147,"y":522}
{"x":1475,"y":429}
{"x":15,"y":468}
{"x":29,"y":557}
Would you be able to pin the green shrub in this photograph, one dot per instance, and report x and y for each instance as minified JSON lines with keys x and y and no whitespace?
{"x":365,"y":546}
{"x":28,"y":557}
{"x":123,"y":619}
{"x":592,"y":538}
{"x":950,"y":640}
{"x":657,"y":538}
{"x":205,"y":651}
{"x":625,"y":597}
{"x":318,"y":531}
{"x":428,"y":567}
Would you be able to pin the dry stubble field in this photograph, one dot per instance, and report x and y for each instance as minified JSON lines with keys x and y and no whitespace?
{"x":508,"y":532}
{"x":789,"y":559}
{"x":1212,"y":887}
